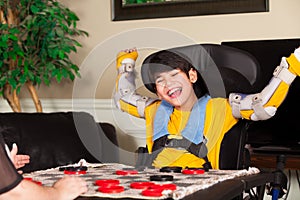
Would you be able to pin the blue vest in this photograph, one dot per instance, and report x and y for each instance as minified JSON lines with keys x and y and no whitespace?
{"x":193,"y":130}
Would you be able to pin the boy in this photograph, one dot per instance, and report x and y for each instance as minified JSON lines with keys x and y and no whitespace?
{"x":185,"y":126}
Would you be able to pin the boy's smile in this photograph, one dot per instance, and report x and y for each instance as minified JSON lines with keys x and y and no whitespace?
{"x":173,"y":93}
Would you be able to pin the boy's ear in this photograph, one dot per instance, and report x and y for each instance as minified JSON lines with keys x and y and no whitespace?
{"x":193,"y":76}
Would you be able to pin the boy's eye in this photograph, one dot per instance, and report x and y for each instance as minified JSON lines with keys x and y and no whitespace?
{"x":159,"y":80}
{"x":174,"y":73}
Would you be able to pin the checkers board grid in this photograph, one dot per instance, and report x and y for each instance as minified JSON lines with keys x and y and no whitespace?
{"x":185,"y":184}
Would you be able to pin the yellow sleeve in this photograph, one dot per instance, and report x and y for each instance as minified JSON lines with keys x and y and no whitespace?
{"x":275,"y":101}
{"x":281,"y":91}
{"x":130,"y":109}
{"x":294,"y":64}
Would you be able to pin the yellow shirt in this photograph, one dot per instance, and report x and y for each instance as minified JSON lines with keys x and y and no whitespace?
{"x":218,"y":120}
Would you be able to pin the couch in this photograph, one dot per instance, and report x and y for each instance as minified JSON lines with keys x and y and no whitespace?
{"x":59,"y":138}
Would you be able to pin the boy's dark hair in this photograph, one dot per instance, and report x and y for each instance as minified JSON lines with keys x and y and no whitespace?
{"x":165,"y":60}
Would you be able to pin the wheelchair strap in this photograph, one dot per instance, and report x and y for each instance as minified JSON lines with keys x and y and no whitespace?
{"x":199,"y":150}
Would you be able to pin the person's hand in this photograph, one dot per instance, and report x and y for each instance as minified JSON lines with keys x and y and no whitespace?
{"x":70,"y":187}
{"x":18,"y":160}
{"x":127,"y":51}
{"x":127,"y":56}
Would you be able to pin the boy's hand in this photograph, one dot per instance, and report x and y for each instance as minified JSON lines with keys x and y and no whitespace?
{"x":127,"y":56}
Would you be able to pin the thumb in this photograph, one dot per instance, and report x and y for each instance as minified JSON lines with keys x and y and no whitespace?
{"x":14,"y":150}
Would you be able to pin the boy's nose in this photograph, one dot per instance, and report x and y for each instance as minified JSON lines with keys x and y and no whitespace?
{"x":168,"y":82}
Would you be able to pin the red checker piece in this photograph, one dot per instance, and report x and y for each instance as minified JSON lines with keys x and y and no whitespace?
{"x":157,"y":192}
{"x":164,"y":186}
{"x":34,"y":181}
{"x":193,"y":171}
{"x":111,"y":189}
{"x":38,"y":182}
{"x":74,"y":172}
{"x":107,"y":182}
{"x":126,"y":172}
{"x":141,"y":185}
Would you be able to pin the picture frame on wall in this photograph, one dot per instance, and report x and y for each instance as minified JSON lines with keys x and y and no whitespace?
{"x":149,"y":9}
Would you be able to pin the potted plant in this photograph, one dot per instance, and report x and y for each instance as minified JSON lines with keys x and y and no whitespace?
{"x":36,"y":39}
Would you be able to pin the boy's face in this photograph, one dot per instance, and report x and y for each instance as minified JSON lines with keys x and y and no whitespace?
{"x":176,"y":88}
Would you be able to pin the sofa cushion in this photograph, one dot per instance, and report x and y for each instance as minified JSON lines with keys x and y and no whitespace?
{"x":54,"y":139}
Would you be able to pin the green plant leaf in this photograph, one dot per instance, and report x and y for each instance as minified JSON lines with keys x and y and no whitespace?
{"x":41,"y":43}
{"x":34,"y":9}
{"x":61,"y":54}
{"x":12,"y":82}
{"x":23,"y":79}
{"x":58,"y":77}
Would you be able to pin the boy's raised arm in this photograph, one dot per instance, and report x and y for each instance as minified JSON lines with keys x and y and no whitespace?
{"x":126,"y":98}
{"x":263,"y":105}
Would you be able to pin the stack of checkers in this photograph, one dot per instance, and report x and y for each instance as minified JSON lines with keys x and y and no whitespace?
{"x":122,"y":181}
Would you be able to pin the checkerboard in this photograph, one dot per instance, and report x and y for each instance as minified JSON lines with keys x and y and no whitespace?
{"x":185,"y":183}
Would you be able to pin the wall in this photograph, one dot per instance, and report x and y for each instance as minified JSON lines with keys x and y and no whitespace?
{"x":108,"y":37}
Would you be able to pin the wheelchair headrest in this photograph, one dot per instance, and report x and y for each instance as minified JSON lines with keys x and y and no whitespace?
{"x":224,"y":69}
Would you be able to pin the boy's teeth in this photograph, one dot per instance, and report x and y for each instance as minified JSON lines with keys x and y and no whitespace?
{"x":172,"y":91}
